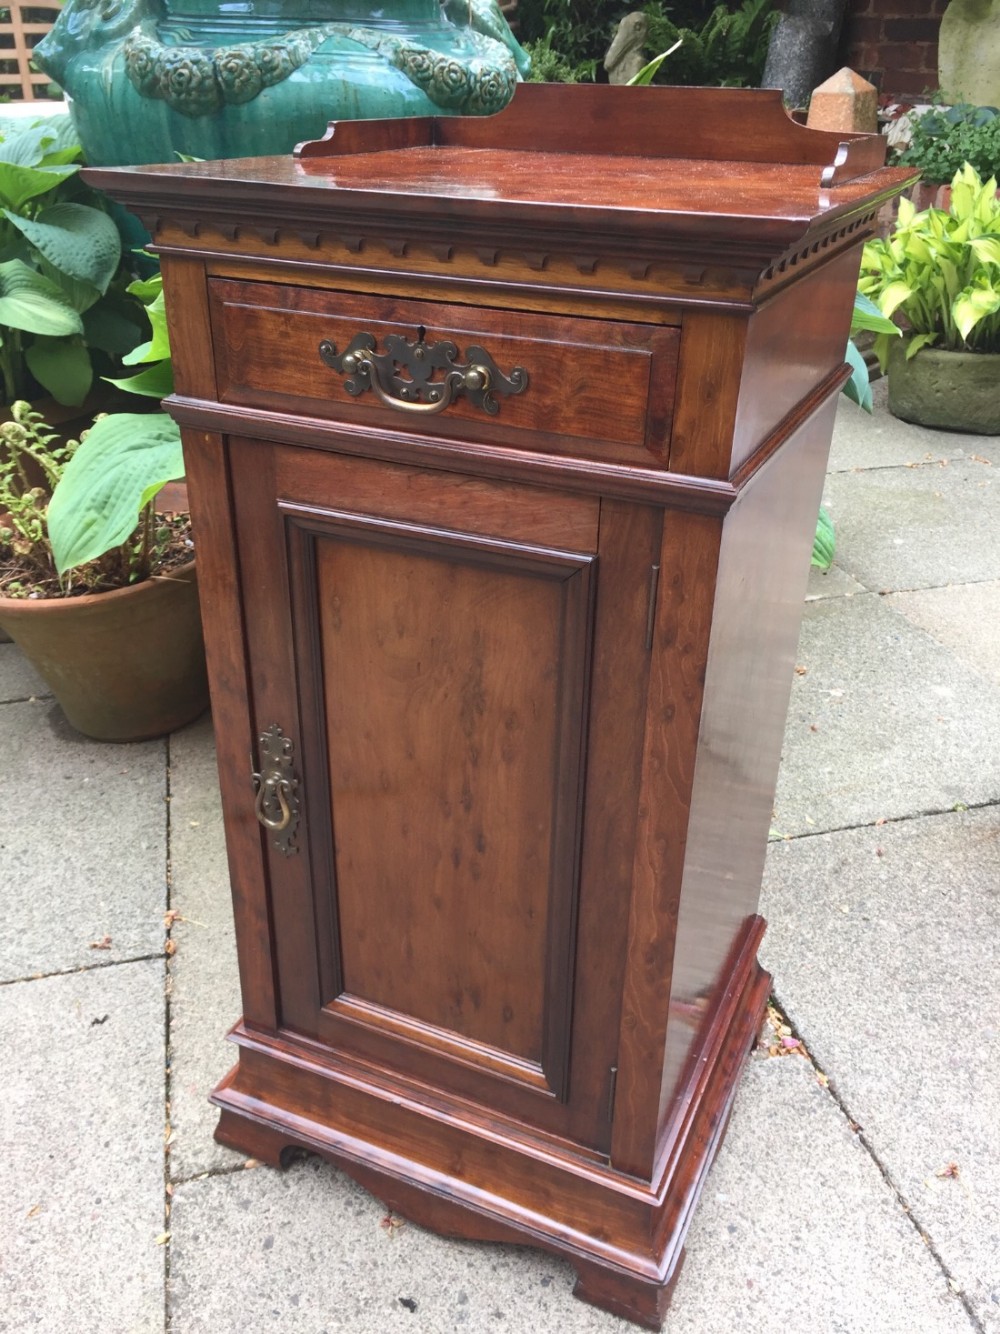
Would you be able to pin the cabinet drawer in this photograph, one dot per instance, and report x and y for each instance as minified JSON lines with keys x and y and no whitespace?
{"x":595,"y":388}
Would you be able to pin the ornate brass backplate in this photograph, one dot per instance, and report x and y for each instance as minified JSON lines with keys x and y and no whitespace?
{"x":479,"y":379}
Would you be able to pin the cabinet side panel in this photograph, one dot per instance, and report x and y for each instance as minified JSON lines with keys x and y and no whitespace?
{"x":763,"y":569}
{"x":783,"y":368}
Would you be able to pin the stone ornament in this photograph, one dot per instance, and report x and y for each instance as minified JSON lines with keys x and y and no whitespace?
{"x":625,"y":57}
{"x":969,"y":50}
{"x":458,"y":57}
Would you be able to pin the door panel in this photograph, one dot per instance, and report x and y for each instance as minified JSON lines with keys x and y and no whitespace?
{"x":438,"y":678}
{"x":452,"y":686}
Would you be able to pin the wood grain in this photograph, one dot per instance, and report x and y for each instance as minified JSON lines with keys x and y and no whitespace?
{"x":601,"y":390}
{"x":449,"y":762}
{"x":763,"y":569}
{"x":210,"y":499}
{"x":688,"y":561}
{"x":191,"y":348}
{"x":534,"y":667}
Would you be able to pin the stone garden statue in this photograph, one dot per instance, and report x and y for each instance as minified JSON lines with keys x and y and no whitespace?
{"x":148,"y":79}
{"x":969,"y":51}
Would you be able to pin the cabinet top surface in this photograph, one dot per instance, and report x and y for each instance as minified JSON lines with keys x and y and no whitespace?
{"x":716,"y":162}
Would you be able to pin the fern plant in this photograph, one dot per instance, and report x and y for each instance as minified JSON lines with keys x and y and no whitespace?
{"x":727,"y":50}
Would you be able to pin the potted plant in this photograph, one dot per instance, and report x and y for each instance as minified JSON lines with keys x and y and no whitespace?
{"x":943,"y":140}
{"x":97,"y":589}
{"x":938,"y":276}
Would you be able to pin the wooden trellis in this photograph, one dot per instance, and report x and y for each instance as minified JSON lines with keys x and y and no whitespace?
{"x":21,"y":28}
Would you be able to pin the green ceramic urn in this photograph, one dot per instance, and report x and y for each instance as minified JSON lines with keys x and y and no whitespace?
{"x":148,"y":79}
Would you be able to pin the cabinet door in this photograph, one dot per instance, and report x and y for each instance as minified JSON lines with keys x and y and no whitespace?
{"x":460,"y":668}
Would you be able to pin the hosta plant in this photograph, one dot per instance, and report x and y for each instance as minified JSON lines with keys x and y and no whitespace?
{"x":79,"y":517}
{"x":62,"y":296}
{"x":866,"y":318}
{"x":938,"y":273}
{"x":156,"y":379}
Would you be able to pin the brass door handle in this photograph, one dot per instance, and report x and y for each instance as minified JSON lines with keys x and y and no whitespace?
{"x":480,"y":379}
{"x":276,"y":804}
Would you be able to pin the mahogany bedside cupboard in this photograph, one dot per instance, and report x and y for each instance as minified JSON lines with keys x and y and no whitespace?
{"x":505,"y":442}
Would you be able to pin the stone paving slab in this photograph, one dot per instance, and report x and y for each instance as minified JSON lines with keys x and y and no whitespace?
{"x":883,"y":944}
{"x":901,"y":726}
{"x":82,"y":842}
{"x":831,"y":583}
{"x":204,"y":980}
{"x":862,"y":440}
{"x":796,"y":1230}
{"x":18,"y":679}
{"x":81,"y":1142}
{"x":965,"y":619}
{"x":902,"y":528}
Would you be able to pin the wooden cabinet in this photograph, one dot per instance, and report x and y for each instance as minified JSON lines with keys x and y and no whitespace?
{"x":505,"y":448}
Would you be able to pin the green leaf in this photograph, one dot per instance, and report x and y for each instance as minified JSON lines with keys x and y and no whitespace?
{"x":19,"y":184}
{"x":963,"y":196}
{"x":30,"y":302}
{"x":868,"y":316}
{"x":25,"y":145}
{"x":158,"y":347}
{"x":987,"y":248}
{"x":917,"y":342}
{"x":648,"y":72}
{"x":858,"y":388}
{"x":146,"y":289}
{"x":62,"y":366}
{"x":45,"y":141}
{"x":80,"y":241}
{"x":905,"y":211}
{"x":973,"y":306}
{"x":80,"y":295}
{"x":156,"y":381}
{"x":824,"y":543}
{"x":882,"y":350}
{"x":894,"y":296}
{"x":120,"y":465}
{"x":64,"y":138}
{"x":61,"y":157}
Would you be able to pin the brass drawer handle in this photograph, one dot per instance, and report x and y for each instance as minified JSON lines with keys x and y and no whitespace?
{"x":276,"y":805}
{"x":480,"y":379}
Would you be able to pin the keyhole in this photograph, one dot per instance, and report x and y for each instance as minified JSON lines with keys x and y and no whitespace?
{"x":421,"y":333}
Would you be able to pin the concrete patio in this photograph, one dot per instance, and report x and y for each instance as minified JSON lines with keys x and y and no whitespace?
{"x":859,"y":1187}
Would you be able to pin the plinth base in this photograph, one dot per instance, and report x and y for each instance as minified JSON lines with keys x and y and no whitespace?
{"x":458,"y":1171}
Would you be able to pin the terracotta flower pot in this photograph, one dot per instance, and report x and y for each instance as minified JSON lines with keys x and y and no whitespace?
{"x":124,"y":666}
{"x":951,"y":391}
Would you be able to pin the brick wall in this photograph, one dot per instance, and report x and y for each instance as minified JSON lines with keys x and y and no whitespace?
{"x":894,"y":44}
